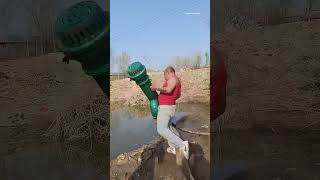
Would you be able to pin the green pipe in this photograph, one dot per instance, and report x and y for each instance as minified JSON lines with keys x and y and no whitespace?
{"x":138,"y":73}
{"x":84,"y":34}
{"x":102,"y":80}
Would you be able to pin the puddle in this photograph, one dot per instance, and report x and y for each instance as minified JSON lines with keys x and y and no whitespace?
{"x":50,"y":163}
{"x":130,"y":127}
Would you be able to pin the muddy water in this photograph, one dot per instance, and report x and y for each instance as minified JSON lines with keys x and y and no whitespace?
{"x":131,"y":127}
{"x":129,"y":132}
{"x":52,"y":162}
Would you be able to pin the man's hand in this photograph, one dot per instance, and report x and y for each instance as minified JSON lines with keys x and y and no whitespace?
{"x":66,"y":59}
{"x":171,"y":85}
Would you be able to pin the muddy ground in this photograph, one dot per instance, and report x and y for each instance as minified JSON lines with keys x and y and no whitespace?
{"x":273,"y":77}
{"x":33,"y":93}
{"x":270,"y":129}
{"x":153,"y":162}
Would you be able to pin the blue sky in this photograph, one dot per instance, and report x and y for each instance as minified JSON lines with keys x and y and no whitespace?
{"x":159,"y":30}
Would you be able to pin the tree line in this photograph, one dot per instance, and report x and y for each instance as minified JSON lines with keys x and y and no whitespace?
{"x":198,"y":60}
{"x":120,"y":62}
{"x":225,"y":11}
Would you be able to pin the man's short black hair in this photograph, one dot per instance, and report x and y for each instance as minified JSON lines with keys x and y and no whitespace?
{"x":170,"y":69}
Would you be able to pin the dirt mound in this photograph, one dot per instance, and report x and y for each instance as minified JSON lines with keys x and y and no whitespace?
{"x":273,"y":77}
{"x":34,"y":92}
{"x":41,"y":82}
{"x":195,"y":88}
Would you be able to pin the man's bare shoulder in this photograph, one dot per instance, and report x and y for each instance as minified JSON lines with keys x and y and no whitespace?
{"x":174,"y":79}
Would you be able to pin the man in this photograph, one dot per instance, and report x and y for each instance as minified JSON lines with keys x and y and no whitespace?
{"x":169,"y":93}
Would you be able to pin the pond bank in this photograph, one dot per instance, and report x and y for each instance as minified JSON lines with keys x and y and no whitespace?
{"x":132,"y":127}
{"x":151,"y":160}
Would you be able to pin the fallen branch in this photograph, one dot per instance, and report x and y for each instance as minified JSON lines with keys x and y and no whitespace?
{"x":7,"y":125}
{"x":194,"y":132}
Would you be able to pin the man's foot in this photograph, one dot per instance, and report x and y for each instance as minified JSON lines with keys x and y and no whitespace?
{"x":185,"y":150}
{"x":171,"y":150}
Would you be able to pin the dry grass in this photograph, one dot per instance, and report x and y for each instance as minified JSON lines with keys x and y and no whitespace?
{"x":88,"y":122}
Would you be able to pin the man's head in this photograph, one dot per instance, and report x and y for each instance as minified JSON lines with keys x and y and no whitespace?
{"x":169,"y":72}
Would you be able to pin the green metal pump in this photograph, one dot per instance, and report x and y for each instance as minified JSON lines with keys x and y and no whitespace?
{"x":84,"y":32}
{"x":138,"y":73}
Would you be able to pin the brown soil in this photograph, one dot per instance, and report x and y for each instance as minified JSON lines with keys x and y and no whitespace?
{"x":33,"y":93}
{"x":273,"y":77}
{"x":271,"y":124}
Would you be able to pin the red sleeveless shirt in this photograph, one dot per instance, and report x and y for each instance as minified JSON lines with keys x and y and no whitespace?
{"x":218,"y":87}
{"x":170,"y":98}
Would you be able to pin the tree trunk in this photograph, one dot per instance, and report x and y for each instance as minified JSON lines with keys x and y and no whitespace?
{"x":41,"y":46}
{"x":53,"y":35}
{"x":36,"y":47}
{"x":8,"y":47}
{"x":27,"y":49}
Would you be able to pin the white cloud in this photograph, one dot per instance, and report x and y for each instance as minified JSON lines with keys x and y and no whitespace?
{"x":192,"y":13}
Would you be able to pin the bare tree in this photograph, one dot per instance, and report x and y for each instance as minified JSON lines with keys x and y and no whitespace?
{"x":178,"y":63}
{"x":123,"y":61}
{"x":42,"y":14}
{"x":252,"y":8}
{"x":284,"y":5}
{"x":113,"y":60}
{"x":188,"y":62}
{"x":146,"y":59}
{"x":197,"y":61}
{"x":310,"y":4}
{"x":207,"y":58}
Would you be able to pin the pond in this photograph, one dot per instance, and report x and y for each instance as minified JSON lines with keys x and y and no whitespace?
{"x":131,"y":127}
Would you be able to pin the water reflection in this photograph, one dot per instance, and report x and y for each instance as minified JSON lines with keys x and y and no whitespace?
{"x":129,"y":132}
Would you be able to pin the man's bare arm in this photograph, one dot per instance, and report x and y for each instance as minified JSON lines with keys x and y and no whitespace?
{"x":171,"y":85}
{"x":179,"y":96}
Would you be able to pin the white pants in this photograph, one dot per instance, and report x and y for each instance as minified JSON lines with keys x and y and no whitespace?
{"x":165,"y":114}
